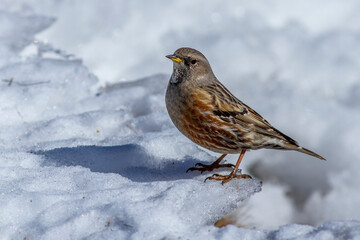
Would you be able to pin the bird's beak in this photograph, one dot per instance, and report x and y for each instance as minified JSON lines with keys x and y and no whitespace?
{"x":174,"y":58}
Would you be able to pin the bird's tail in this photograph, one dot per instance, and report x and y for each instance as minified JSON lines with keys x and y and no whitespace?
{"x":307,"y":151}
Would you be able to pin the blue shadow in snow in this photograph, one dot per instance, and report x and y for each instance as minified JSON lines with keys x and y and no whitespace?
{"x":130,"y":161}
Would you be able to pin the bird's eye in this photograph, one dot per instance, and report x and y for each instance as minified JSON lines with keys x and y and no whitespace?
{"x":193,"y":61}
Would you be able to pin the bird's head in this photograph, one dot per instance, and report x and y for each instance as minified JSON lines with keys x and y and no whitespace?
{"x":190,"y":65}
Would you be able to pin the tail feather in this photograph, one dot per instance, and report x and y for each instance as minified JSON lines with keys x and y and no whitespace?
{"x":311,"y":153}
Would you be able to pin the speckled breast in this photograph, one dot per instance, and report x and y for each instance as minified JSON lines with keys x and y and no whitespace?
{"x":191,"y":112}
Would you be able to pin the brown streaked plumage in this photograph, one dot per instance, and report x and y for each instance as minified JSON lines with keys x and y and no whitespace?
{"x":208,"y":114}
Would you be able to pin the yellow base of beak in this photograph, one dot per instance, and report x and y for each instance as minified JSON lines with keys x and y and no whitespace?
{"x":174,"y":58}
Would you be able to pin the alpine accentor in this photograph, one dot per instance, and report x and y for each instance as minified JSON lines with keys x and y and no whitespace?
{"x":208,"y":114}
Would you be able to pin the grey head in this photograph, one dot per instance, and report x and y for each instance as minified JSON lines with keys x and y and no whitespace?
{"x":191,"y":66}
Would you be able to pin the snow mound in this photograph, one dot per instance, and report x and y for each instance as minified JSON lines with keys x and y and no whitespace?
{"x":77,"y":162}
{"x":86,"y":154}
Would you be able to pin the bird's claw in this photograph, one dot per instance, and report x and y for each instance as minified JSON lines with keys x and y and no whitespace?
{"x":227,"y":178}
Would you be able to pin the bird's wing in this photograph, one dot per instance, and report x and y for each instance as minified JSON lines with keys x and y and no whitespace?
{"x":230,"y":109}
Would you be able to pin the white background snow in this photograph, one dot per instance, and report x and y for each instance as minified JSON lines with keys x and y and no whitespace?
{"x":87,"y":150}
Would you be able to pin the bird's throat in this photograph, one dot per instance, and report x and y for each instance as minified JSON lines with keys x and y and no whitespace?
{"x":178,"y":76}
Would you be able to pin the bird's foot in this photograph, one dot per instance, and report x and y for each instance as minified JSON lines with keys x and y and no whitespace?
{"x":227,"y":178}
{"x":203,"y":167}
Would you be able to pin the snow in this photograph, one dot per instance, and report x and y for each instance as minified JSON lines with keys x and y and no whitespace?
{"x":87,"y":150}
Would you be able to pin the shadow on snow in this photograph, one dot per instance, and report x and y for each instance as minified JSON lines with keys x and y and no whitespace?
{"x":130,"y":161}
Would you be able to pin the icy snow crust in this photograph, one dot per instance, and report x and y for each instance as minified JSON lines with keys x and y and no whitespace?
{"x":83,"y":159}
{"x":78,"y":164}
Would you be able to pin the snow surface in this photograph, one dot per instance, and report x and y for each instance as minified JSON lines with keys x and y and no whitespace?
{"x":87,"y":149}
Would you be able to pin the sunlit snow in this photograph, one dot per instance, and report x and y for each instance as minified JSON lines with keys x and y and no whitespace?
{"x":87,"y":150}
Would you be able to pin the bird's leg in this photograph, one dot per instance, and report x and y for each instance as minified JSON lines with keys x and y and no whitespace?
{"x":227,"y":178}
{"x":214,"y":165}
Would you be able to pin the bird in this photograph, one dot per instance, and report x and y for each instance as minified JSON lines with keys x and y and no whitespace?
{"x":206,"y":112}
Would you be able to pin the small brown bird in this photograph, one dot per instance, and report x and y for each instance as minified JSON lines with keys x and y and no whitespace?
{"x":209,"y":115}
